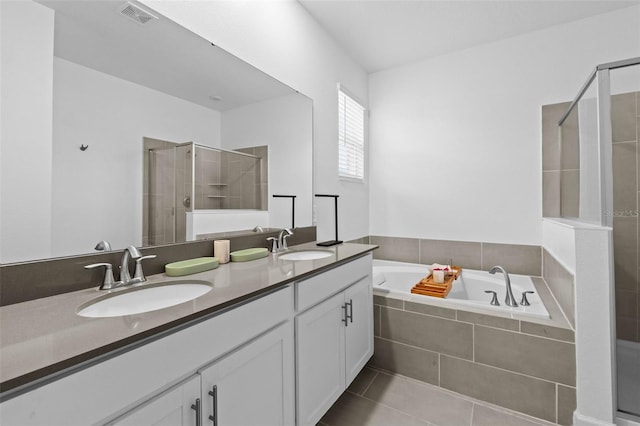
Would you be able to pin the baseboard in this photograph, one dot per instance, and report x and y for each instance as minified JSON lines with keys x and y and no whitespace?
{"x":581,"y":420}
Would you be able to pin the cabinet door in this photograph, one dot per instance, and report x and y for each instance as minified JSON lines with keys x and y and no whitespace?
{"x":171,"y":408}
{"x":253,"y":385}
{"x":320,"y":357}
{"x":359,"y":329}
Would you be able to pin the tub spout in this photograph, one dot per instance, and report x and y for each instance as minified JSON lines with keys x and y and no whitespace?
{"x":509,"y":299}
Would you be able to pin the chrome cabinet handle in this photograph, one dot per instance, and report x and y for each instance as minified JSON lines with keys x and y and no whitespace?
{"x":494,"y":298}
{"x":525,"y":301}
{"x":350,"y":314}
{"x":214,"y":395}
{"x":345,"y":318}
{"x":198,"y":410}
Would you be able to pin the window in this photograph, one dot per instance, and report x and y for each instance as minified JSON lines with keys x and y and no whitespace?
{"x":350,"y":137}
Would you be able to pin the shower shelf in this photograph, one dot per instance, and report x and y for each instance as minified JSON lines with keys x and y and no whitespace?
{"x":217,"y":184}
{"x":222,"y":196}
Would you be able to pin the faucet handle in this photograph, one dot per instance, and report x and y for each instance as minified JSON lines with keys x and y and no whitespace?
{"x":494,"y":298}
{"x":139,"y":274}
{"x":525,"y":301}
{"x":273,"y":244}
{"x":108,"y":282}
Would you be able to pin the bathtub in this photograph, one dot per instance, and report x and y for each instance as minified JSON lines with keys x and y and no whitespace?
{"x":395,"y":279}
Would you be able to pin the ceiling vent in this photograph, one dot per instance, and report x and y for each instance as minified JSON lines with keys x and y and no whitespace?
{"x":135,"y":13}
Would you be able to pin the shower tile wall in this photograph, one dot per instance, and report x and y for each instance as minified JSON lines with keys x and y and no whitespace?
{"x":625,"y":117}
{"x":208,"y":180}
{"x":261,"y":179}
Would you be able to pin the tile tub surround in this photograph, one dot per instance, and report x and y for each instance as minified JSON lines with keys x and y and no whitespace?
{"x":20,"y":282}
{"x":523,"y":365}
{"x":515,"y":258}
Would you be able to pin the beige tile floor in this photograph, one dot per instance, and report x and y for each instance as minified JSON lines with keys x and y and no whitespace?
{"x":378,"y":398}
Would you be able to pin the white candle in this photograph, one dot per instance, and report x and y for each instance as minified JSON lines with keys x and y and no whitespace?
{"x":221,"y":250}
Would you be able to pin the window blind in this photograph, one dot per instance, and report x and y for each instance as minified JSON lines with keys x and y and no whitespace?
{"x":350,"y":137}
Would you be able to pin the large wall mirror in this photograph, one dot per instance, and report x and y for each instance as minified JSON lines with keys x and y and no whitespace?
{"x":90,"y":87}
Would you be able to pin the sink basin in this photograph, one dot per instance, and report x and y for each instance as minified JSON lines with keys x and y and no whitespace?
{"x":306,"y":254}
{"x":144,"y":299}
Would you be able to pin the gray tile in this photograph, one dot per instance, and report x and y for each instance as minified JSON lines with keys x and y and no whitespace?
{"x":551,"y":194}
{"x":561,"y":284}
{"x":551,"y":114}
{"x":625,"y":183}
{"x":393,"y":248}
{"x":569,"y":140}
{"x":625,"y":250}
{"x":551,"y":332}
{"x":350,"y":410}
{"x":515,"y":258}
{"x":569,"y":193}
{"x":428,"y":332}
{"x":566,"y":404}
{"x":423,"y":308}
{"x":510,"y":390}
{"x":422,"y":401}
{"x":627,"y":328}
{"x":489,"y":320}
{"x":376,"y":320}
{"x":487,"y":416}
{"x":409,"y":361}
{"x":623,"y":117}
{"x":460,"y":253}
{"x":388,"y":301}
{"x":362,"y":381}
{"x":535,"y":356}
{"x":626,"y":303}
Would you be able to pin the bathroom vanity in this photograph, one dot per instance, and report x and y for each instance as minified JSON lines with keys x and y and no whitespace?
{"x":275,"y":342}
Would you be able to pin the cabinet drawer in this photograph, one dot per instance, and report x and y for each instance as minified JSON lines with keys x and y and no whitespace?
{"x":317,"y":288}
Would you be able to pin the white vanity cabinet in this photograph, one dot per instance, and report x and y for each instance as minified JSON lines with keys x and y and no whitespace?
{"x":175,"y":407}
{"x":251,"y":386}
{"x":334,"y":335}
{"x":123,"y":387}
{"x":254,"y":385}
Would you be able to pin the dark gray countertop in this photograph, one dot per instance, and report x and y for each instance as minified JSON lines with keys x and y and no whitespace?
{"x":45,"y":337}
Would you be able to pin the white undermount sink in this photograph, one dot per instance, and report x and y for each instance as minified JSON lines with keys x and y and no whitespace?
{"x":146,"y":298}
{"x":306,"y":254}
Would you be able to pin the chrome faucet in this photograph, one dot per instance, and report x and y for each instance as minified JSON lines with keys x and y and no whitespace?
{"x":282,"y":238}
{"x":509,"y":299}
{"x":125,"y":275}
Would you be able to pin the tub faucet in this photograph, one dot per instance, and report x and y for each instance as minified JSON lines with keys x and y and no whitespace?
{"x":125,"y":275}
{"x":509,"y":299}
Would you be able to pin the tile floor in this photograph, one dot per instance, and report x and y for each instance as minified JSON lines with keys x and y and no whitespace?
{"x":380,"y":398}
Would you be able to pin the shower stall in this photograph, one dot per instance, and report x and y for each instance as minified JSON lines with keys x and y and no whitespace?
{"x":183,"y":178}
{"x":599,"y":183}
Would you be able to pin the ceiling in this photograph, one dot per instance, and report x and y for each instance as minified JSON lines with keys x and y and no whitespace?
{"x":381,"y":34}
{"x":159,"y":54}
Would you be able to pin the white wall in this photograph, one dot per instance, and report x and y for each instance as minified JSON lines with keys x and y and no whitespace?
{"x":25,"y":135}
{"x":98,"y":192}
{"x":285,"y":125}
{"x":283,"y":40}
{"x":456,"y":140}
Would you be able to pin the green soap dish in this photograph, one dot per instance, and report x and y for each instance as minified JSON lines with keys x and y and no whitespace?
{"x":190,"y":266}
{"x":248,"y":254}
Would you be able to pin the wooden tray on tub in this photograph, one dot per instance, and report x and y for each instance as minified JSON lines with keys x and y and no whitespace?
{"x":427,"y":287}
